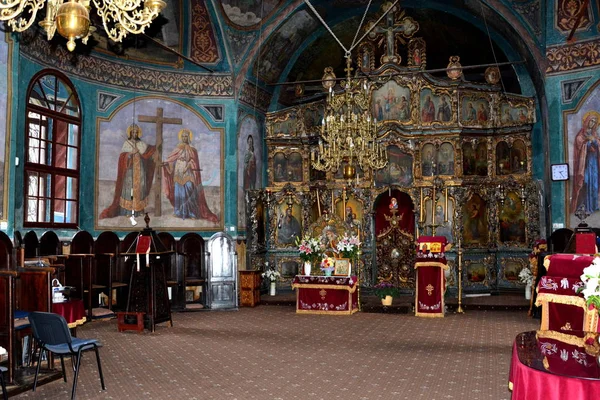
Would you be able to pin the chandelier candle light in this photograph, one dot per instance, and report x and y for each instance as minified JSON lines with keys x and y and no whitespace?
{"x":72,"y":20}
{"x":348,"y":133}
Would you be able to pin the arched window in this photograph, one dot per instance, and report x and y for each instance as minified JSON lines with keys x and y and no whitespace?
{"x":52,"y":143}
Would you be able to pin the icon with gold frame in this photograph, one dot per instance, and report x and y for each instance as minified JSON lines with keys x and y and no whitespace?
{"x":342,"y":267}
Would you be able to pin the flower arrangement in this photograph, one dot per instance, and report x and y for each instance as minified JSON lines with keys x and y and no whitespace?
{"x":591,"y":280}
{"x":348,"y":246}
{"x":525,"y":276}
{"x":271,"y":275}
{"x":383,"y":289}
{"x":310,"y":249}
{"x":327,"y":263}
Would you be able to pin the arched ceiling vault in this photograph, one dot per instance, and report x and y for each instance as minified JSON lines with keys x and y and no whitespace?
{"x":449,"y":28}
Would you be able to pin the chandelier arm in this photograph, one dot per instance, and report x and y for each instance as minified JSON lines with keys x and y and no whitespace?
{"x":107,"y":16}
{"x":138,"y":22}
{"x":8,"y":12}
{"x":123,"y":6}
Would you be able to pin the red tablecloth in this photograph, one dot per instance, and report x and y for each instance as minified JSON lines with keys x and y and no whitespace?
{"x":326,"y":294}
{"x":72,"y":310}
{"x":529,"y":383}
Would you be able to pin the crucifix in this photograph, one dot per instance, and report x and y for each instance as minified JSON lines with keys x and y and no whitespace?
{"x":402,"y":28}
{"x":159,"y":120}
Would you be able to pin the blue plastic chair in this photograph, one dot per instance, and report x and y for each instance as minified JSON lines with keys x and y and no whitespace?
{"x":3,"y":383}
{"x":53,"y":336}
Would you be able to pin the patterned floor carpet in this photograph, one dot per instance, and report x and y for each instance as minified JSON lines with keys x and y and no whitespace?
{"x":269,"y":352}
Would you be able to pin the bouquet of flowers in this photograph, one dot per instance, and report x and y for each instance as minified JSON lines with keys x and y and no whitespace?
{"x":383,"y":289}
{"x":525,"y":276}
{"x":309,"y":248}
{"x":348,"y":246}
{"x":591,"y":281}
{"x":271,"y":275}
{"x":327,"y":263}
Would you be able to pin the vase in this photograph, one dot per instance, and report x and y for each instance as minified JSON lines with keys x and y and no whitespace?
{"x":528,"y":292}
{"x":273,"y":289}
{"x":387,"y":301}
{"x":307,"y":268}
{"x":327,"y":271}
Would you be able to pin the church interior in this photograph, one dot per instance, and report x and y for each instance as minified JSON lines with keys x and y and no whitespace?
{"x":300,"y":163}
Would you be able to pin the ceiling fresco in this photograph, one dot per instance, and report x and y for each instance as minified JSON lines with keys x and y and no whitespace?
{"x":248,"y":13}
{"x":445,"y":35}
{"x":275,"y":54}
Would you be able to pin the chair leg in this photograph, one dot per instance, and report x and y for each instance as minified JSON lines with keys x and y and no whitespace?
{"x":37,"y":368}
{"x":77,"y":364}
{"x":99,"y":368}
{"x":62,"y":364}
{"x":3,"y":383}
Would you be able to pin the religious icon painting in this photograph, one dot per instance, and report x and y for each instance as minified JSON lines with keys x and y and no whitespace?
{"x":288,"y":224}
{"x":475,"y":111}
{"x":164,"y":160}
{"x":249,"y":162}
{"x":398,"y":171}
{"x":342,"y":267}
{"x":391,"y":102}
{"x":475,"y":227}
{"x":582,"y":139}
{"x":476,"y":272}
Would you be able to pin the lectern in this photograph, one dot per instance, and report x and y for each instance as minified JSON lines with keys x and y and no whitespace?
{"x":148,"y":295}
{"x":430,"y":265}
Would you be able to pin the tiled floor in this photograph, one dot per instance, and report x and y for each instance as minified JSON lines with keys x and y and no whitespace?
{"x":270,"y":352}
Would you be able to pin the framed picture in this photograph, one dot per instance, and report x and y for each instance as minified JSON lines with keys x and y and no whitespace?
{"x":189,"y":296}
{"x":342,"y":267}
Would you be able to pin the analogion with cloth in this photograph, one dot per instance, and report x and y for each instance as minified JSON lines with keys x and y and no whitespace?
{"x":563,"y":307}
{"x":430,"y":265}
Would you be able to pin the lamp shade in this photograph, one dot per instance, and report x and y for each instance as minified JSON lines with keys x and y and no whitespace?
{"x":72,"y":22}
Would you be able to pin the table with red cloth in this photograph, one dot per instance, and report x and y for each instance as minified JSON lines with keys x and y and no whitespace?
{"x":553,"y":365}
{"x":430,"y":265}
{"x":563,"y":308}
{"x":334,"y":295}
{"x":72,"y":310}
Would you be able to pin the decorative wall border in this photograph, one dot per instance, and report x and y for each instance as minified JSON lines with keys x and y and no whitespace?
{"x":572,"y":57}
{"x":118,"y":74}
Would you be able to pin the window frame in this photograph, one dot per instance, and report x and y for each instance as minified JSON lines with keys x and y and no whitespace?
{"x":56,"y":119}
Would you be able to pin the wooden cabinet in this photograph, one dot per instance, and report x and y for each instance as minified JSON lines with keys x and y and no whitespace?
{"x":249,"y":288}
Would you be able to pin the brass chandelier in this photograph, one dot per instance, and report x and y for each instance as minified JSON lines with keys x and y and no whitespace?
{"x":348,"y":132}
{"x":71,"y":18}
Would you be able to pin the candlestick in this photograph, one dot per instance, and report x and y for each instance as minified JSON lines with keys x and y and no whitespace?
{"x":446,"y":210}
{"x":332,"y":203}
{"x":421,"y":207}
{"x":318,"y":202}
{"x":433,"y":206}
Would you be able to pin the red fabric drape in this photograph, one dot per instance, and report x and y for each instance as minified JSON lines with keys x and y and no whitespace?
{"x":405,"y":208}
{"x":530,"y":384}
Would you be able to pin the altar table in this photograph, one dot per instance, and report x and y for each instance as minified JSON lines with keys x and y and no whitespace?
{"x":553,"y":365}
{"x":334,"y":295}
{"x":72,"y":310}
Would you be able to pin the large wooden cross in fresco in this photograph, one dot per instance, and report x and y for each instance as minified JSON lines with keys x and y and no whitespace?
{"x":159,"y":119}
{"x":397,"y":26}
